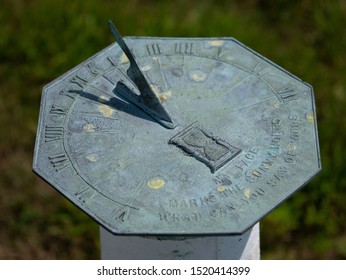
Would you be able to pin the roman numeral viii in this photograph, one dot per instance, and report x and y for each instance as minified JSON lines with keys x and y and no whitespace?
{"x":53,"y":133}
{"x":59,"y":161}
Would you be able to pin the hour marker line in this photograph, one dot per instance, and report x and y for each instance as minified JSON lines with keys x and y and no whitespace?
{"x":140,"y":185}
{"x":100,"y":90}
{"x":237,"y":84}
{"x":108,"y":80}
{"x":163,"y":75}
{"x":183,"y":63}
{"x":254,"y":104}
{"x":92,"y":115}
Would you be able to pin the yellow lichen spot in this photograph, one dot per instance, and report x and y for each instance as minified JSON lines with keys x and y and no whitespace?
{"x":310,"y":118}
{"x":92,"y":157}
{"x":105,"y":110}
{"x":255,"y":173}
{"x":197,"y":76}
{"x":124,"y":58}
{"x":103,"y":98}
{"x":156,"y":183}
{"x":220,"y":188}
{"x":155,"y":89}
{"x":216,"y":43}
{"x":89,"y":127}
{"x":291,"y":147}
{"x":247,"y":192}
{"x":145,"y":68}
{"x":164,"y":96}
{"x":275,"y":104}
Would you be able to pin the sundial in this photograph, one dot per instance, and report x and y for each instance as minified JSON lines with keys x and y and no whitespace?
{"x":177,"y":136}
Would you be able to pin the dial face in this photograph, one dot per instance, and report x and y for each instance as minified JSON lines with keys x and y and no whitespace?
{"x":245,"y":138}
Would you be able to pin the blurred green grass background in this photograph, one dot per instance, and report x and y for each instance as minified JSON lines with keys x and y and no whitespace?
{"x":40,"y":40}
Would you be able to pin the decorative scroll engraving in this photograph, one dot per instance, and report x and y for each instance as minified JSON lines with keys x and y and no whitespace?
{"x":205,"y":147}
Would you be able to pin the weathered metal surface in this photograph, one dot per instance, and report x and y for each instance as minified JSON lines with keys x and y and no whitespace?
{"x":245,"y":137}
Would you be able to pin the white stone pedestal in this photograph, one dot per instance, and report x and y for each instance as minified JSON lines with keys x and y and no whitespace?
{"x":243,"y":247}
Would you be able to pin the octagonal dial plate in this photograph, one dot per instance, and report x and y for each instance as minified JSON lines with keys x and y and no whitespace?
{"x":245,"y":138}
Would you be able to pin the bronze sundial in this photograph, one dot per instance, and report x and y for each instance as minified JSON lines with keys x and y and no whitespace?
{"x":178,"y":136}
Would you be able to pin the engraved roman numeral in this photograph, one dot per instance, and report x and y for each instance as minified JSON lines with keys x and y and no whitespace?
{"x":184,"y":48}
{"x":70,"y":94}
{"x":85,"y":194}
{"x":111,"y":60}
{"x":59,"y":161}
{"x":56,"y":110}
{"x":94,"y":69}
{"x":288,"y":94}
{"x":154,"y":49}
{"x":120,"y":216}
{"x":81,"y":82}
{"x":53,"y":133}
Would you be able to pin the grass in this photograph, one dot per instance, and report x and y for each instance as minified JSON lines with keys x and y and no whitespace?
{"x":40,"y":40}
